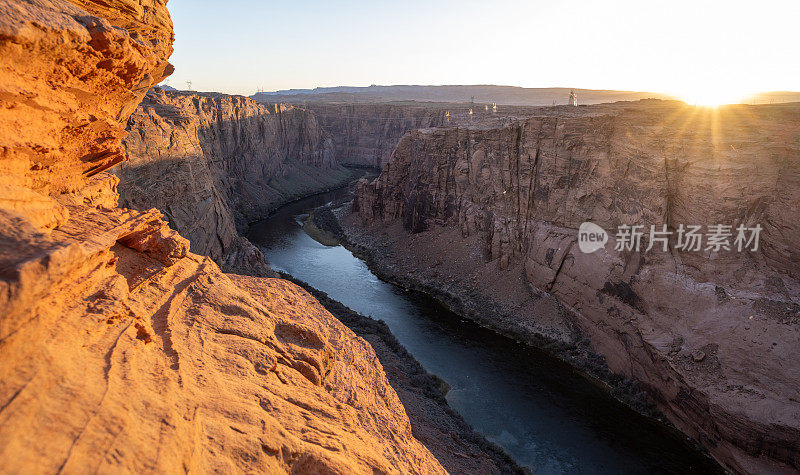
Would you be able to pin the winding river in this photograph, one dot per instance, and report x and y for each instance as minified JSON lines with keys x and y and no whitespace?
{"x":546,"y":416}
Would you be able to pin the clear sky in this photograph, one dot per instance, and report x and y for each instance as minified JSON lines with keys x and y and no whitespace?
{"x":677,"y":46}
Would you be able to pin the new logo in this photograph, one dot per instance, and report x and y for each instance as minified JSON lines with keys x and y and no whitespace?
{"x":591,"y":237}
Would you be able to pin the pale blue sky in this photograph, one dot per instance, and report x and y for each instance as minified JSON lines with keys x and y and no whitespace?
{"x":676,"y":46}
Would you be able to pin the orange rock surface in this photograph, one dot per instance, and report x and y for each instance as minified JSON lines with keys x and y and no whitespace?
{"x":119,"y":349}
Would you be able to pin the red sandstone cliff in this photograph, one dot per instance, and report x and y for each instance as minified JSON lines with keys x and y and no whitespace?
{"x":490,"y":213}
{"x":213,"y":163}
{"x":120,"y":350}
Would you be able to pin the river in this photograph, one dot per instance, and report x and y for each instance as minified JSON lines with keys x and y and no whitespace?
{"x":544,"y":414}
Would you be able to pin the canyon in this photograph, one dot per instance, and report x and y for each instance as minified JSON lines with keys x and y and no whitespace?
{"x":485,"y":217}
{"x":121,"y":349}
{"x":140,"y":330}
{"x":214,"y":163}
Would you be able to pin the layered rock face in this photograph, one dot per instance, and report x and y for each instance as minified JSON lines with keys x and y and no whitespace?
{"x":103,"y":71}
{"x":120,"y":350}
{"x":365,"y":135}
{"x":710,"y":335}
{"x":212,"y":163}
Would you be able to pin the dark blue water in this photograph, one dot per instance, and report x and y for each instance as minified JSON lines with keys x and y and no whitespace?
{"x":534,"y":406}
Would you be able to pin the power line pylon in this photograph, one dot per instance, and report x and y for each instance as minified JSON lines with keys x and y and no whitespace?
{"x":573,"y":98}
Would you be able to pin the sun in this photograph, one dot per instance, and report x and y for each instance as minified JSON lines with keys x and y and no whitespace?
{"x":713,"y":96}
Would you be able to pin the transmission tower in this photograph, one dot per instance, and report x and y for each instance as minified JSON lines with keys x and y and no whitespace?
{"x":573,"y":98}
{"x":188,"y":85}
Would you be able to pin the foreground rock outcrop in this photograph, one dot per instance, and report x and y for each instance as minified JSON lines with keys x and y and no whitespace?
{"x":486,"y":217}
{"x":120,"y":350}
{"x":213,"y":163}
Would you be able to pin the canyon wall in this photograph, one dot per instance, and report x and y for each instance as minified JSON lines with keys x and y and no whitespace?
{"x":365,"y":135}
{"x":213,"y":163}
{"x":491,"y":214}
{"x":120,"y":350}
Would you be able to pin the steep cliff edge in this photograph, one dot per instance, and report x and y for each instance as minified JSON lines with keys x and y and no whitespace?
{"x":365,"y":135}
{"x":486,"y":217}
{"x":213,"y":163}
{"x":120,"y":349}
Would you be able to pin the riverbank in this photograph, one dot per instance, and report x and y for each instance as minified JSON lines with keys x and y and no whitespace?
{"x":379,"y":252}
{"x":339,"y":181}
{"x":454,"y":443}
{"x":385,"y":257}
